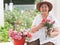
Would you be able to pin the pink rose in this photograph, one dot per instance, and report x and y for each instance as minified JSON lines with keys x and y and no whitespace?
{"x":15,"y":32}
{"x":10,"y":32}
{"x":20,"y":37}
{"x":20,"y":33}
{"x":29,"y":35}
{"x":25,"y":33}
{"x":48,"y":20}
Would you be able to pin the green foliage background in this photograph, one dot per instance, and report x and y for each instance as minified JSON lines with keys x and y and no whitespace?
{"x":16,"y":20}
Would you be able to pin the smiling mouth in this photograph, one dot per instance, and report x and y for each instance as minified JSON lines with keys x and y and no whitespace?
{"x":44,"y":10}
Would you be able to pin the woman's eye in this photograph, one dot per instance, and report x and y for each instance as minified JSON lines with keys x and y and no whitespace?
{"x":45,"y":6}
{"x":42,"y":7}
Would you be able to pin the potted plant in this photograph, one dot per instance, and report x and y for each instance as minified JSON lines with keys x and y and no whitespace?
{"x":19,"y":20}
{"x":18,"y":37}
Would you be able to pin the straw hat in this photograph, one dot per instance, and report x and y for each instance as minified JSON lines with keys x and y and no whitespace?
{"x":39,"y":4}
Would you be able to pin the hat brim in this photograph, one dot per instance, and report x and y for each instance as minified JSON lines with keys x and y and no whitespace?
{"x":45,"y":2}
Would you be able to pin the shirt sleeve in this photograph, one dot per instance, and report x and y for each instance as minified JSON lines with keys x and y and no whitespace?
{"x":56,"y":24}
{"x":36,"y":20}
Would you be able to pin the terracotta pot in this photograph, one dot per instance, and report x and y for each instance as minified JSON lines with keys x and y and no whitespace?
{"x":19,"y":42}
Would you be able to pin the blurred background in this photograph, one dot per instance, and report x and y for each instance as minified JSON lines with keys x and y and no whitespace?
{"x":19,"y":14}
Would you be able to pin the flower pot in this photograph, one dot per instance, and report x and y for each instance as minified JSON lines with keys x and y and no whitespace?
{"x":19,"y":42}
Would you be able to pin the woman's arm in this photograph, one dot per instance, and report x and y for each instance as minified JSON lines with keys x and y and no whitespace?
{"x":55,"y":32}
{"x":36,"y":28}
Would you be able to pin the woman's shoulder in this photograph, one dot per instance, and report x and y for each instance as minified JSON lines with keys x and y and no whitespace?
{"x":51,"y":16}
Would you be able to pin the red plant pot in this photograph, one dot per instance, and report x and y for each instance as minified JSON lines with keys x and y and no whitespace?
{"x":19,"y":42}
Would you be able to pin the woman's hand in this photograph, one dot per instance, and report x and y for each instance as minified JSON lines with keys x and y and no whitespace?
{"x":55,"y":32}
{"x":40,"y":25}
{"x":37,"y":27}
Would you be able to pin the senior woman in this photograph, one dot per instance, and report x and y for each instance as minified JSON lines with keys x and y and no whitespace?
{"x":39,"y":30}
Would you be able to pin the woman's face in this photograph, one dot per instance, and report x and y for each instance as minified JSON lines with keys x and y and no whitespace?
{"x":44,"y":8}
